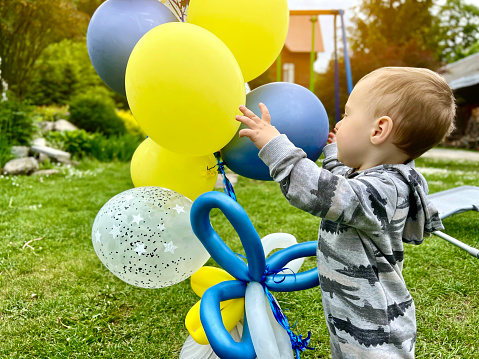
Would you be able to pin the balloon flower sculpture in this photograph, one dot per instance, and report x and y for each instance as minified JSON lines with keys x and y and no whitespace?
{"x":262,"y":337}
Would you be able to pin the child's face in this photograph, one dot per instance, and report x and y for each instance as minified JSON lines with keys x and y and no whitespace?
{"x":354,"y":130}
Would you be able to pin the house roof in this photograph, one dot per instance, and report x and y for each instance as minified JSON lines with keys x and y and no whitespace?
{"x":462,"y":73}
{"x":299,"y":37}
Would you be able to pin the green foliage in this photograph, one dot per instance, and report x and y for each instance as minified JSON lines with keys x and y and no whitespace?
{"x":459,"y":30}
{"x":82,"y":144}
{"x":94,"y":111}
{"x":130,"y":123}
{"x":386,"y":33}
{"x":27,"y":27}
{"x":50,"y":113}
{"x":5,"y":150}
{"x":63,"y":71}
{"x":16,"y":123}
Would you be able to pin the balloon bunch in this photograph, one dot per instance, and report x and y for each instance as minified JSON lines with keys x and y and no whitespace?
{"x":266,"y":332}
{"x":184,"y":81}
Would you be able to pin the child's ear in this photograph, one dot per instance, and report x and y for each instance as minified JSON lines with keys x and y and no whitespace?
{"x":382,"y":129}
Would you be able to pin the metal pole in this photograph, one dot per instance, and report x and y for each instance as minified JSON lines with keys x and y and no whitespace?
{"x":347,"y":64}
{"x":279,"y":68}
{"x":337,"y":110}
{"x":313,"y":19}
{"x":472,"y":251}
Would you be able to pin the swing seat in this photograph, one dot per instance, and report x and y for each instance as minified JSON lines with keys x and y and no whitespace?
{"x":454,"y":201}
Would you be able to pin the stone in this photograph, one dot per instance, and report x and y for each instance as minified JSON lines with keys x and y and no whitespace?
{"x":64,"y":125}
{"x":20,"y":166}
{"x":20,"y":151}
{"x":42,"y":158}
{"x":39,"y":142}
{"x":46,"y":173}
{"x":58,"y":155}
{"x":47,"y":126}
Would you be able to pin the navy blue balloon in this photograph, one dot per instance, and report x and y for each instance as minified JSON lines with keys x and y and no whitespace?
{"x":295,"y":111}
{"x":114,"y":30}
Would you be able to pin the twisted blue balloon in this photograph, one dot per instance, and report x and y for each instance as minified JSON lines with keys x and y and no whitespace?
{"x":258,"y":270}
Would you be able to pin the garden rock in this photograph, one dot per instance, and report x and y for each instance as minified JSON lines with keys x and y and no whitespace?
{"x":20,"y":151}
{"x":39,"y":142}
{"x":46,"y":173}
{"x":64,"y":125}
{"x":58,"y":155}
{"x":42,"y":158}
{"x":20,"y":166}
{"x":47,"y":126}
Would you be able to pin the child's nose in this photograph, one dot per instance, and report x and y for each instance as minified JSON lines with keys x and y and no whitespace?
{"x":338,"y":125}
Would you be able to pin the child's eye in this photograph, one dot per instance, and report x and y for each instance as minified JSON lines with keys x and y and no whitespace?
{"x":344,"y":115}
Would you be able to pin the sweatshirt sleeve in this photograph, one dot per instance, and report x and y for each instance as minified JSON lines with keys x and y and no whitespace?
{"x":331,"y":162}
{"x":367,"y":204}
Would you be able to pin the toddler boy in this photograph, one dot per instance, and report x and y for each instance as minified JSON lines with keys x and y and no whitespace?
{"x":371,"y":200}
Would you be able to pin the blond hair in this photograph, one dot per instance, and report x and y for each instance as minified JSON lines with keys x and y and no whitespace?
{"x":420,"y":103}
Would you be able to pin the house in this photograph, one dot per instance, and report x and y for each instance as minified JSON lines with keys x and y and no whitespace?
{"x":296,"y":58}
{"x":463,"y":77}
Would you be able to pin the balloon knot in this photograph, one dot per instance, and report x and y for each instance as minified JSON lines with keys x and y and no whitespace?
{"x":227,"y":186}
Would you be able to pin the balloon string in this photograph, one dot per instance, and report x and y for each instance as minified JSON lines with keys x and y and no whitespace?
{"x":227,"y":186}
{"x":298,"y":344}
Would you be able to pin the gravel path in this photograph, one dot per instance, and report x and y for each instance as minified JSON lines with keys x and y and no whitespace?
{"x":443,"y":153}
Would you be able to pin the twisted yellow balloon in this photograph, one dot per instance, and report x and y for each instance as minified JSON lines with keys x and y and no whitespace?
{"x":231,"y":310}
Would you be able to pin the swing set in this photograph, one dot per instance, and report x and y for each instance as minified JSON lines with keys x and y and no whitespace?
{"x":349,"y":81}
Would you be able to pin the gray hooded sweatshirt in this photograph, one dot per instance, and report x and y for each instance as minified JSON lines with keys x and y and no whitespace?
{"x":366,"y":218}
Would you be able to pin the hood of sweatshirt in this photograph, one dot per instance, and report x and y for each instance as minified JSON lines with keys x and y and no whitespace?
{"x":423,"y":217}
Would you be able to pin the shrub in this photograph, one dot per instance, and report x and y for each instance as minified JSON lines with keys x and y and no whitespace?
{"x":94,"y":111}
{"x":16,"y":121}
{"x":5,"y":150}
{"x":82,"y":144}
{"x":130,"y":123}
{"x":51,"y":113}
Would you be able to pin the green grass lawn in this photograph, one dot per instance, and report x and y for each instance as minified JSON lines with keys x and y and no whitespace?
{"x":58,"y":301}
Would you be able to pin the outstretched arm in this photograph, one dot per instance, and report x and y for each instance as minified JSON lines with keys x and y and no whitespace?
{"x":307,"y":186}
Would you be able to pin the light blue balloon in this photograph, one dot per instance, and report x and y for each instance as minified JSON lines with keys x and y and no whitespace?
{"x":114,"y":29}
{"x":295,"y":111}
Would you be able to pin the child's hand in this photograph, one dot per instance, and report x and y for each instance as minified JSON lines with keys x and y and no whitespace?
{"x":332,"y":136}
{"x":260,"y":130}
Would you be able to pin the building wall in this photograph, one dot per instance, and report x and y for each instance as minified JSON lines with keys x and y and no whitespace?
{"x":301,"y":62}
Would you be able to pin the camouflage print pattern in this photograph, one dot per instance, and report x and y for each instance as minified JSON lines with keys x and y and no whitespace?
{"x":366,"y":218}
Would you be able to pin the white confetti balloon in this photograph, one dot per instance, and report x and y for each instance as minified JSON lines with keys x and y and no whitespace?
{"x":144,"y":236}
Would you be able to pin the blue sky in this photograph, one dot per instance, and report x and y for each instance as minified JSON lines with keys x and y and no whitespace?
{"x":327,"y":22}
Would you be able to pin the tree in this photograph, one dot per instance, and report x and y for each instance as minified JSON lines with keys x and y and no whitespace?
{"x":27,"y":27}
{"x":459,"y":24}
{"x":386,"y":33}
{"x":62,"y":71}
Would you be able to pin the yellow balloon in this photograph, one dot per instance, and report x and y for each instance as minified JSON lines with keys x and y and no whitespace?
{"x":231,"y":312}
{"x":254,"y":30}
{"x":206,"y":277}
{"x":184,"y":87}
{"x":153,"y":165}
